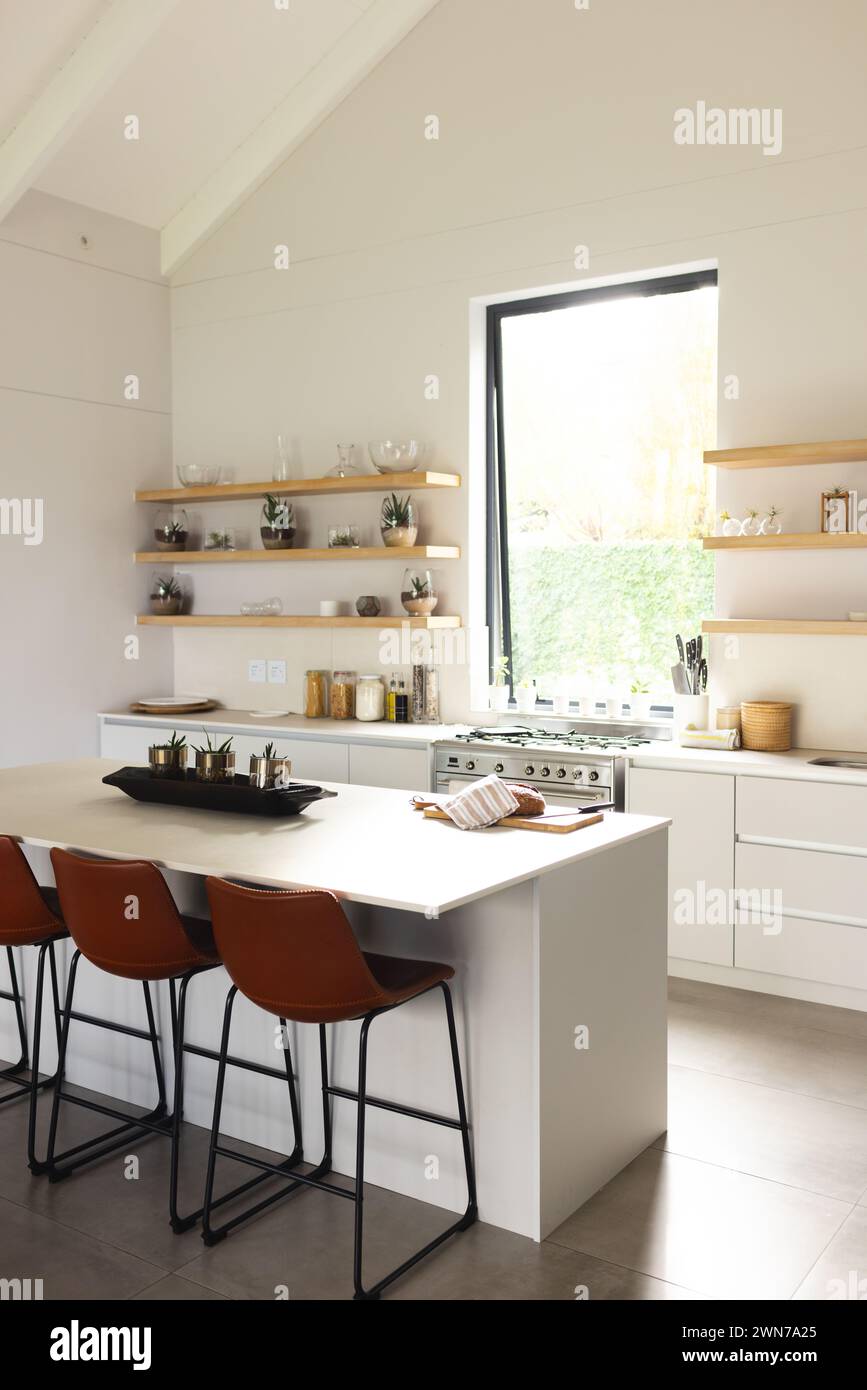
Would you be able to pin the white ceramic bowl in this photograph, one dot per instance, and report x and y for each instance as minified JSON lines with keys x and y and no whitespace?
{"x":390,"y":457}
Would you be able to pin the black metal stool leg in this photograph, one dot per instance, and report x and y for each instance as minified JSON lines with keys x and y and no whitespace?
{"x":472,"y":1211}
{"x":325,"y":1165}
{"x":359,"y":1162}
{"x":298,"y":1149}
{"x":155,"y":1049}
{"x":209,"y":1235}
{"x":35,"y":1084}
{"x":61,"y":1059}
{"x":15,"y":998}
{"x":179,"y":1014}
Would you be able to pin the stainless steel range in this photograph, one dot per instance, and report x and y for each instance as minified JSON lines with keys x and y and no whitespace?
{"x":581,"y":766}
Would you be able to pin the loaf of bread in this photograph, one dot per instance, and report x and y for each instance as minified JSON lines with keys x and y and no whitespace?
{"x":530,"y":801}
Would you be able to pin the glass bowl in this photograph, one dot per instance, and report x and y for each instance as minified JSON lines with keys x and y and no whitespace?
{"x":390,"y":457}
{"x":198,"y":474}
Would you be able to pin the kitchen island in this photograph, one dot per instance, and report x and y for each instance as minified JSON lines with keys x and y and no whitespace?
{"x":559,"y":944}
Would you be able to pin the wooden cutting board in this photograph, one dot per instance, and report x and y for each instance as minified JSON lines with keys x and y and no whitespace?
{"x":552,"y":822}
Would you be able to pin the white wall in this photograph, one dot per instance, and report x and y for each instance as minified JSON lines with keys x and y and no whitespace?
{"x":76,"y":321}
{"x":556,"y":129}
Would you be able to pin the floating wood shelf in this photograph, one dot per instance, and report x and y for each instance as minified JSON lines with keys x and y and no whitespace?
{"x":787,"y":455}
{"x":303,"y":487}
{"x":797,"y":540}
{"x":239,"y":620}
{"x":168,"y":558}
{"x":806,"y":627}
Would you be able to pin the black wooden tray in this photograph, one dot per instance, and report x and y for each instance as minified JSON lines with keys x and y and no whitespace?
{"x":236,"y":796}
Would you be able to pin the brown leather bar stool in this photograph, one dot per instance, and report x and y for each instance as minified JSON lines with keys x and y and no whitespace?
{"x":123,"y":919}
{"x":29,"y":916}
{"x":294,"y":954}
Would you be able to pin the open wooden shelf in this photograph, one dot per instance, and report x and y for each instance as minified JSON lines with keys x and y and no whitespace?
{"x":806,"y":627}
{"x":787,"y":455}
{"x":239,"y":620}
{"x":168,"y":558}
{"x":303,"y":487}
{"x":797,"y":540}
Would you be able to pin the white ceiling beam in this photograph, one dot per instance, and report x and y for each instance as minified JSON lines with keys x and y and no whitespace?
{"x":373,"y":35}
{"x":119,"y":33}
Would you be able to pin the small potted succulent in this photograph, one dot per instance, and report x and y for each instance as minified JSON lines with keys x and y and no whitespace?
{"x":418,"y":594}
{"x":728,"y":525}
{"x":498,"y":693}
{"x":167,"y":597}
{"x":771,"y":525}
{"x":750,"y":524}
{"x":169,"y":759}
{"x":343,"y":538}
{"x":526,"y":696}
{"x":171,"y":530}
{"x":278,"y":524}
{"x":215,"y":764}
{"x":220,"y":540}
{"x":267,"y":770}
{"x":399,"y":521}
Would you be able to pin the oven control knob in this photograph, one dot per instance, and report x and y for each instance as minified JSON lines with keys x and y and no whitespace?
{"x":546,"y":772}
{"x":594,"y":776}
{"x":529,"y":770}
{"x":561,"y":772}
{"x":471,"y":766}
{"x":498,"y":767}
{"x":577,"y":774}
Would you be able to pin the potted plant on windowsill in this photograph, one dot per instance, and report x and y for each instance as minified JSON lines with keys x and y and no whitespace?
{"x":215,"y":764}
{"x":267,"y":770}
{"x":169,"y":759}
{"x":278,"y":524}
{"x":498,"y":693}
{"x":526,"y":696}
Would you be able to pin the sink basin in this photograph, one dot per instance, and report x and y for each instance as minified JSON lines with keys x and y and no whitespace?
{"x":860,"y":763}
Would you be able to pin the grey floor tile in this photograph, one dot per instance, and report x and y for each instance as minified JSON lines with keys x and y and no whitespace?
{"x":798,"y":1013}
{"x":171,"y":1289}
{"x":721,"y":1233}
{"x":70,"y":1264}
{"x":817,"y":1145}
{"x":809,"y":1061}
{"x":840,"y":1273}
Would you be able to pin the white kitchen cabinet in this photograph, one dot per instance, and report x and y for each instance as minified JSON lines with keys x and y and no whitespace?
{"x":809,"y":813}
{"x":701,"y":807}
{"x":372,"y":765}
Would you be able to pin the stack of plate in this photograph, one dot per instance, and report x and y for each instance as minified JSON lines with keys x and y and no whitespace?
{"x":173,"y":704}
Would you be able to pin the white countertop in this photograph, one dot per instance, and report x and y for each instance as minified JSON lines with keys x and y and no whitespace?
{"x":296,"y":726}
{"x":367,"y":845}
{"x":794,"y":764}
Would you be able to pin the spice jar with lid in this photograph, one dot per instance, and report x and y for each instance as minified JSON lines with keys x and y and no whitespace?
{"x":370,"y":699}
{"x":316,"y":694}
{"x":343,"y":695}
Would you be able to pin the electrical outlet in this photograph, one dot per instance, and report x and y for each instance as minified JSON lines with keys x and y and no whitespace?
{"x":257,"y":672}
{"x":277,"y":672}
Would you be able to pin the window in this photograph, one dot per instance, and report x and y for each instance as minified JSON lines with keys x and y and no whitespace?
{"x":600,"y":405}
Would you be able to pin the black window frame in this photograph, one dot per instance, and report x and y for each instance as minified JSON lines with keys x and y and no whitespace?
{"x":498,"y":598}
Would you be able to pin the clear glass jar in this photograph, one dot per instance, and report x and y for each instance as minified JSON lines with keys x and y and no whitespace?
{"x":316,"y":694}
{"x":343,"y":695}
{"x":171,"y":529}
{"x":370,"y":699}
{"x":418,"y":593}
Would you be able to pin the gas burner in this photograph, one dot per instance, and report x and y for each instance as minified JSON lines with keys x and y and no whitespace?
{"x":528,"y":738}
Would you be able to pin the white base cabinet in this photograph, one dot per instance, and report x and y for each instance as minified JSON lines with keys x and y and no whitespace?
{"x":701,"y":807}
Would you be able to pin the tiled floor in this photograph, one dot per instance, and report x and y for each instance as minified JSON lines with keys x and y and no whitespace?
{"x":759,"y":1190}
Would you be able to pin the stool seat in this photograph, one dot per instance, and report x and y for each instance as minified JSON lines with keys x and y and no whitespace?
{"x":29,"y":913}
{"x":400,"y":979}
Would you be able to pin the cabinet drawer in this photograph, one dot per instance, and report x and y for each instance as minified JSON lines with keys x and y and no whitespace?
{"x":806,"y":949}
{"x":821,"y":813}
{"x":811,"y":882}
{"x":407,"y":769}
{"x":700,"y":806}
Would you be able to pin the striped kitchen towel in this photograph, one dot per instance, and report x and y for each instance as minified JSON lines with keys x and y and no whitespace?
{"x":483,"y":803}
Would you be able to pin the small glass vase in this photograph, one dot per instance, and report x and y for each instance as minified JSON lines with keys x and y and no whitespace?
{"x":171,"y":529}
{"x":418,"y":593}
{"x":166,"y":596}
{"x":399,"y":522}
{"x":344,"y":467}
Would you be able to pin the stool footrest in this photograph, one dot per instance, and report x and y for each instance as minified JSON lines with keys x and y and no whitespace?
{"x":395,"y":1107}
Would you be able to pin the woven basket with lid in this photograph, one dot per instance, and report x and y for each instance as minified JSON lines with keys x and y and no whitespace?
{"x":766,"y":725}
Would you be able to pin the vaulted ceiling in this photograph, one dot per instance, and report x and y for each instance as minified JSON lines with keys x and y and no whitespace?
{"x":221,"y":92}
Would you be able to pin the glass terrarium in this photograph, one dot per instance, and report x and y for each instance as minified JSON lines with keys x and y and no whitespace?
{"x":166,"y":596}
{"x":343,"y":537}
{"x":399,"y":521}
{"x":278,"y":523}
{"x":418,"y":593}
{"x":224,"y":539}
{"x":171,"y":529}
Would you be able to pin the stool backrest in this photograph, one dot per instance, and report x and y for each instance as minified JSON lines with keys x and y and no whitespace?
{"x":23,"y":910}
{"x":122,"y":917}
{"x":292,"y":953}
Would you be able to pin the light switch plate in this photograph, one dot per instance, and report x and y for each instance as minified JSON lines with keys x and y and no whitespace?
{"x":257,"y":672}
{"x":277,"y":672}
